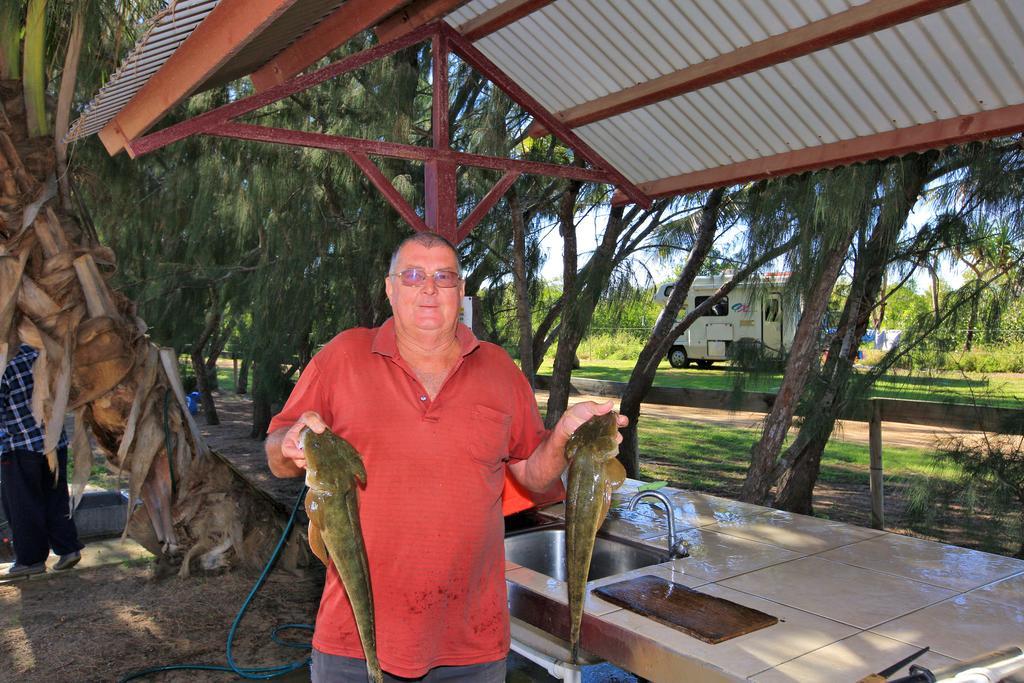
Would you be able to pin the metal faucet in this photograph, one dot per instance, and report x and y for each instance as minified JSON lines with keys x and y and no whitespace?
{"x":676,"y":549}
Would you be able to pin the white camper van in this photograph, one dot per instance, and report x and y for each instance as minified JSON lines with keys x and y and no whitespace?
{"x":753,"y":312}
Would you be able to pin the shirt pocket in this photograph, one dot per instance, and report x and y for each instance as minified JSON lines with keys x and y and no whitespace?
{"x":489,"y":436}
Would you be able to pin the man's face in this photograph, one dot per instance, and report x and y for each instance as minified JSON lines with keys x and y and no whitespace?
{"x":426,"y":307}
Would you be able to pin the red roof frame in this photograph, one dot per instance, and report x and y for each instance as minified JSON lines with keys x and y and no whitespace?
{"x":344,"y":23}
{"x":209,"y":47}
{"x":440,"y":161}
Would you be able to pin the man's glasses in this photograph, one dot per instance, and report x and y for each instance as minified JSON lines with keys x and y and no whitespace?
{"x":417,"y":277}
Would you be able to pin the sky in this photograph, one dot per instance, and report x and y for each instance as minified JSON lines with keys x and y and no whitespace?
{"x":591,"y":225}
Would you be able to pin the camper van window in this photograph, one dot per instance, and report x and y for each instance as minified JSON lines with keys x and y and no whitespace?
{"x":719,"y":310}
{"x":771,"y":311}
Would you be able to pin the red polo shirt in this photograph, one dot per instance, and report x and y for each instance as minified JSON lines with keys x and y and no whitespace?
{"x":431,"y":511}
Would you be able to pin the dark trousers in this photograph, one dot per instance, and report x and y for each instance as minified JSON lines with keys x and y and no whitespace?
{"x":37,"y":510}
{"x":327,"y":668}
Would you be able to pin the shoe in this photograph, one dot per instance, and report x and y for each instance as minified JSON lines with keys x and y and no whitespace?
{"x":67,"y":561}
{"x":25,"y":569}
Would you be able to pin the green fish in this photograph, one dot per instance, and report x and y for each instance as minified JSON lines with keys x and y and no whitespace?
{"x":593,"y":474}
{"x":334,"y":469}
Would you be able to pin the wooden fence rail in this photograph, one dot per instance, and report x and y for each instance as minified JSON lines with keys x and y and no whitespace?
{"x":874,"y":411}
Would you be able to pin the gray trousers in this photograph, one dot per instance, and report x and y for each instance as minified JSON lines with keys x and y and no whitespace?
{"x":335,"y":669}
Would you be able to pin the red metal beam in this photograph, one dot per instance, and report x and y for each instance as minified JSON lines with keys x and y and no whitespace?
{"x":439,"y":176}
{"x":839,"y":28}
{"x":498,"y":17}
{"x":486,"y":204}
{"x":416,"y":14}
{"x":337,"y":143}
{"x":345,"y":22}
{"x":481,"y":63}
{"x":229,"y":27}
{"x":440,"y":161}
{"x":211,"y":119}
{"x":386,"y":188}
{"x":955,"y":131}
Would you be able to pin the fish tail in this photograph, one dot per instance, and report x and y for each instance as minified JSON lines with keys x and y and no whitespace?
{"x":373,"y":669}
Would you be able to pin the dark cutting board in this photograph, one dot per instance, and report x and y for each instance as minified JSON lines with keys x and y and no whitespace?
{"x":711,"y":619}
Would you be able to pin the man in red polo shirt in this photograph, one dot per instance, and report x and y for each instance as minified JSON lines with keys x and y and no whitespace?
{"x":436,"y":415}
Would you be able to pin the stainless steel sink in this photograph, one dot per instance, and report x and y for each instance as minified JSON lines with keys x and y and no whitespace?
{"x":543,"y":550}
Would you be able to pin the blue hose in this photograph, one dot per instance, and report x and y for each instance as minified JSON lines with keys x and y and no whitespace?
{"x":259,"y":673}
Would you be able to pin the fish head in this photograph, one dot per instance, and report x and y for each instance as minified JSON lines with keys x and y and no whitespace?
{"x":595,"y":438}
{"x":312,"y":445}
{"x":331,"y":461}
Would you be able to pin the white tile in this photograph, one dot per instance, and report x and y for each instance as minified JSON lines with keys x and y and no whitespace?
{"x":701,"y":509}
{"x":936,"y":563}
{"x":850,"y":659}
{"x":852,"y":595}
{"x":1009,"y":591}
{"x":715,"y":556}
{"x":558,"y":591}
{"x":796,"y":633}
{"x":962,"y":627}
{"x":801,"y":533}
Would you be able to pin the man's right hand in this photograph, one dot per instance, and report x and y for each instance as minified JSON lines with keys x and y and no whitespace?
{"x":284,"y":451}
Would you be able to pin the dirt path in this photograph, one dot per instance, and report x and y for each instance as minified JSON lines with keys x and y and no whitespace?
{"x":893,"y":433}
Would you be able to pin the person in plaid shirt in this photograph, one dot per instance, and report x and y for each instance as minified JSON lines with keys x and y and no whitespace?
{"x":37,"y":509}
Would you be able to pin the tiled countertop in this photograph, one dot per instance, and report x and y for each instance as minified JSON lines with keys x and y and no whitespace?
{"x":850,"y":601}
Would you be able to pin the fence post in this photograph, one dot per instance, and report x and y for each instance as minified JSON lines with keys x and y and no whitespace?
{"x":875,"y":447}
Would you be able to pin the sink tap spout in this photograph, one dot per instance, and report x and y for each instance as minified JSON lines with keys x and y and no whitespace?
{"x":675,"y":549}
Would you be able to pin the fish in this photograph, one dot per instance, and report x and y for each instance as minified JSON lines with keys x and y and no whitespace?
{"x":334,"y":472}
{"x":594,"y":473}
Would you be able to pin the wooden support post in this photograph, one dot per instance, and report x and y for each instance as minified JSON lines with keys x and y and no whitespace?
{"x":875,"y":445}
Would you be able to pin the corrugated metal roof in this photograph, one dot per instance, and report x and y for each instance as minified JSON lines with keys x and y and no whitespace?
{"x":169,"y":29}
{"x":595,"y":47}
{"x":956,"y":62}
{"x":940,"y":67}
{"x":296,"y":21}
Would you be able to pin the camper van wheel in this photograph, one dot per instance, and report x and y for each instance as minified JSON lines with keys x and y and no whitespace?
{"x":677,"y":357}
{"x":705,"y":364}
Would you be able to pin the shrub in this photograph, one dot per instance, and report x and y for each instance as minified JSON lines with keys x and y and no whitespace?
{"x":988,"y":491}
{"x":1007,"y":358}
{"x":612,"y":346}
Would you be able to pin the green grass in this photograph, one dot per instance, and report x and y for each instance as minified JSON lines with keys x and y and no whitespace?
{"x":225,"y":373}
{"x":715,"y":458}
{"x":995,"y":389}
{"x":99,"y":475}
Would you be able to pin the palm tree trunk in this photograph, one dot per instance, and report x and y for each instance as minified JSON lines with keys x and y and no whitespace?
{"x":96,"y":361}
{"x":34,"y":82}
{"x":64,"y":99}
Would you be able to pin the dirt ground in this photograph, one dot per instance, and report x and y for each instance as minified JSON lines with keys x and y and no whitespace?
{"x":100,"y":624}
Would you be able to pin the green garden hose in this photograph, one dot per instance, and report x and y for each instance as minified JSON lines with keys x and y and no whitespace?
{"x":258,"y":673}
